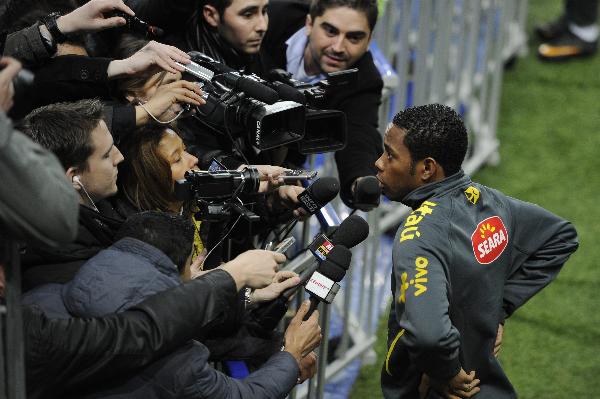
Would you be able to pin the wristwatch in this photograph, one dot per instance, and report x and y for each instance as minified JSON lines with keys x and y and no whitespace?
{"x":50,"y":22}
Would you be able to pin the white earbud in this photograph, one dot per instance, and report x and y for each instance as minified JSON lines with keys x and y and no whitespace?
{"x":77,"y":179}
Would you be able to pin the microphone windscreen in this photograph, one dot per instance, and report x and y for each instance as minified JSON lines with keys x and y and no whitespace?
{"x":324,"y":189}
{"x":340,"y":255}
{"x":353,"y":230}
{"x":331,"y":271}
{"x":367,"y":190}
{"x":257,"y":90}
{"x":288,"y":93}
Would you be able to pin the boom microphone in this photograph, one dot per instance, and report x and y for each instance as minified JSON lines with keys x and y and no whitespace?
{"x":288,"y":93}
{"x":251,"y":87}
{"x":319,"y":193}
{"x":234,"y":79}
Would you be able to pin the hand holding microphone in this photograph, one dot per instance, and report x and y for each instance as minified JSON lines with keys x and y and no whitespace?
{"x":323,"y":284}
{"x":305,"y":202}
{"x":318,"y":194}
{"x":352,"y":231}
{"x":303,"y":334}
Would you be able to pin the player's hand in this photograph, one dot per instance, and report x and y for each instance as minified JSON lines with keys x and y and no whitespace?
{"x":462,"y":385}
{"x":498,"y":343}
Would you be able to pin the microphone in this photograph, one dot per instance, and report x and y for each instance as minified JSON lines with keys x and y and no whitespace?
{"x":251,"y":87}
{"x":137,"y":25}
{"x":352,"y":231}
{"x":367,"y":193}
{"x":288,"y":93}
{"x":323,"y":284}
{"x":233,"y":78}
{"x":319,"y":193}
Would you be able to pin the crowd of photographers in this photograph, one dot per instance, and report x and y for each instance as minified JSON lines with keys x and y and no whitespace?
{"x":136,"y":139}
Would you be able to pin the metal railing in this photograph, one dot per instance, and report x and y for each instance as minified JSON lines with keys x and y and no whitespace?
{"x":446,"y":51}
{"x":441,"y":51}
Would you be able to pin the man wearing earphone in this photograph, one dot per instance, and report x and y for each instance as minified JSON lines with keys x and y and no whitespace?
{"x":77,"y":135}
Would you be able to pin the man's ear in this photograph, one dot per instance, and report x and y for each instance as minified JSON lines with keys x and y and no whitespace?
{"x":430,"y":170}
{"x":71,"y":173}
{"x":308,"y":24}
{"x":211,"y":15}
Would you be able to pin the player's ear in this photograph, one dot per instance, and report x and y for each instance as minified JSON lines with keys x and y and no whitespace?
{"x":429,"y":169}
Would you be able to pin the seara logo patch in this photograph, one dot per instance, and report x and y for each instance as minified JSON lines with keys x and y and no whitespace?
{"x":489,"y":240}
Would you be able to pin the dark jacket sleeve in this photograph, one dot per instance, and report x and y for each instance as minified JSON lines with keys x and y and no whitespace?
{"x":422,"y":303}
{"x":275,"y":379}
{"x":27,"y":46}
{"x":62,"y":355}
{"x":543,"y":242}
{"x":38,"y":203}
{"x":120,"y":120}
{"x":66,"y":78}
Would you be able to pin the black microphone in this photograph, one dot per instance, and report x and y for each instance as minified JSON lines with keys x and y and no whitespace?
{"x":251,"y":87}
{"x":366,"y":193}
{"x":323,"y":283}
{"x":288,"y":93}
{"x":235,"y":79}
{"x":137,"y":25}
{"x":319,"y":193}
{"x":352,"y":231}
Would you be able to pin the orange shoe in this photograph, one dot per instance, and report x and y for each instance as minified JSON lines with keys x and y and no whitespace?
{"x":565,"y":47}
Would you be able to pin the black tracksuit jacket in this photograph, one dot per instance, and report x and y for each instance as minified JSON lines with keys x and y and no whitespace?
{"x":464,"y":260}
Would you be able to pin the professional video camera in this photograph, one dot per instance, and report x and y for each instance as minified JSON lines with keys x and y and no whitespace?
{"x":217,"y":192}
{"x":240,"y":106}
{"x":325,"y":129}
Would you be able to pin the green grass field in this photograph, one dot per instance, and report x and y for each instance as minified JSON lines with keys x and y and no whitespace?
{"x":549,"y":130}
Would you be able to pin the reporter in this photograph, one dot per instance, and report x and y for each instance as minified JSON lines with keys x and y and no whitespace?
{"x":142,"y":263}
{"x":79,"y":137}
{"x":155,"y":157}
{"x":158,"y":95}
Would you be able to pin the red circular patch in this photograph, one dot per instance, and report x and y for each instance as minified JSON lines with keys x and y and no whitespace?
{"x":489,"y":240}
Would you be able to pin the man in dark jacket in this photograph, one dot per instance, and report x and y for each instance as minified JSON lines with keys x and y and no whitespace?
{"x":330,"y":36}
{"x":78,"y":136}
{"x":152,"y":250}
{"x":463,"y":261}
{"x":66,"y":355}
{"x":334,"y":36}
